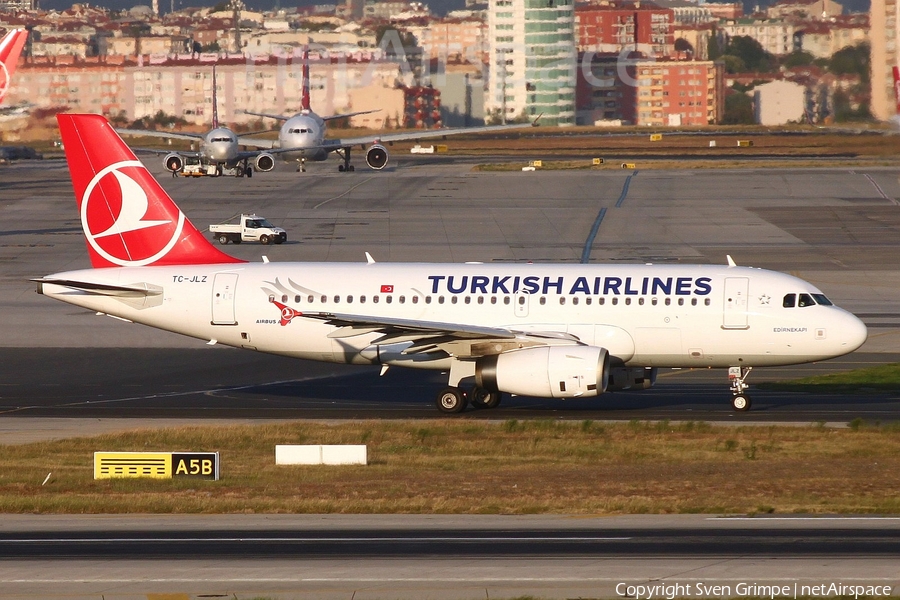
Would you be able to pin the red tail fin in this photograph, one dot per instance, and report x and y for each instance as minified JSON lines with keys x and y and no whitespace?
{"x":304,"y":99}
{"x":215,"y":119}
{"x":10,"y":49}
{"x":127,"y":217}
{"x":897,"y":88}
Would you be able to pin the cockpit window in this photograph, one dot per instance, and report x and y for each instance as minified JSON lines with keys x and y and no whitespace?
{"x":223,"y":139}
{"x":299,"y":130}
{"x":821,"y":300}
{"x":805,"y":300}
{"x":790,"y":300}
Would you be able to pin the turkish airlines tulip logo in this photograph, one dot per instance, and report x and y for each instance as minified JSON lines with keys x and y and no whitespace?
{"x":120,"y":223}
{"x":4,"y":80}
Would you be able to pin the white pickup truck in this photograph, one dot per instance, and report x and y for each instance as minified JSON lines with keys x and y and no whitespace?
{"x":252,"y":228}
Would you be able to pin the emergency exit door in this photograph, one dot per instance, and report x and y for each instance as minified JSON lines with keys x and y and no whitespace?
{"x":224,"y":287}
{"x":735,"y":312}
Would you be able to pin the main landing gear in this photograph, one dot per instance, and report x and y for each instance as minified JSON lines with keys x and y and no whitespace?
{"x":740,"y":400}
{"x":243,"y":170}
{"x":346,"y":167}
{"x":454,"y":400}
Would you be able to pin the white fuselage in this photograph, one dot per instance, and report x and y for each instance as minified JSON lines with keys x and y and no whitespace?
{"x":644,"y":315}
{"x":306,"y":131}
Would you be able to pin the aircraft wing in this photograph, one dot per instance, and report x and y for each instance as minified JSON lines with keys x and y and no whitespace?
{"x":353,"y":114}
{"x":430,"y":133}
{"x":257,"y":142}
{"x":266,"y":115}
{"x":160,"y":152}
{"x":431,"y":336}
{"x":162,"y":134}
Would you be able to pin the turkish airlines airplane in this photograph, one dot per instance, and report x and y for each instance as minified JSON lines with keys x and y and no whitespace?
{"x":219,"y":147}
{"x":550,"y":330}
{"x":302,"y":136}
{"x":10,"y":49}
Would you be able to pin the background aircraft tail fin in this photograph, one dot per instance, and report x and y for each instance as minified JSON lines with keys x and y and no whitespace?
{"x":215,"y":116}
{"x":304,"y":99}
{"x":10,"y":49}
{"x":127,"y":217}
{"x":896,"y":71}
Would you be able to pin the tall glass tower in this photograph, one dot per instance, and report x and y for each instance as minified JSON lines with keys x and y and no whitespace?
{"x":532,"y":60}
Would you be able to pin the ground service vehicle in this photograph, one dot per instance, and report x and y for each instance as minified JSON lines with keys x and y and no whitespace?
{"x":252,"y":228}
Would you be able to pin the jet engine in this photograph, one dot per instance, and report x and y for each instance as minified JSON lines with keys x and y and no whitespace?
{"x":631,"y":378}
{"x":546,"y":372}
{"x":265,"y":162}
{"x":173,"y":162}
{"x":376,"y":156}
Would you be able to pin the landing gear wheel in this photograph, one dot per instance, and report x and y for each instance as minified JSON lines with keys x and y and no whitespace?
{"x":239,"y":172}
{"x":249,"y":172}
{"x":223,"y":239}
{"x":452,"y":400}
{"x":352,"y":168}
{"x":340,"y":168}
{"x":265,"y":240}
{"x":218,"y":171}
{"x":741,"y":403}
{"x":482,"y":398}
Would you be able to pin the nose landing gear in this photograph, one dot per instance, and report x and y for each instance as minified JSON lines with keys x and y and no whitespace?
{"x":301,"y":165}
{"x":740,"y":400}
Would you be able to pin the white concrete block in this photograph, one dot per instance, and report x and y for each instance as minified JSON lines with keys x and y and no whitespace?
{"x":315,"y":454}
{"x":344,"y":455}
{"x":295,"y":454}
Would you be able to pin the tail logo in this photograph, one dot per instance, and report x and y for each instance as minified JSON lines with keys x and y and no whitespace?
{"x":4,"y":79}
{"x":117,"y":217}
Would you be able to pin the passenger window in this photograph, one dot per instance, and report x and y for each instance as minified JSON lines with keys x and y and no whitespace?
{"x":641,"y":300}
{"x":350,"y":299}
{"x":790,"y":300}
{"x":493,"y":299}
{"x":468,"y":300}
{"x":615,"y":300}
{"x":415,"y":299}
{"x":681,"y":302}
{"x":707,"y":302}
{"x":587,"y":301}
{"x":375,"y":299}
{"x":362,"y":299}
{"x":693,"y":302}
{"x":654,"y":301}
{"x":668,"y":301}
{"x":298,"y":299}
{"x":440,"y":299}
{"x":480,"y":299}
{"x":574,"y":300}
{"x":522,"y":300}
{"x":324,"y":299}
{"x":542,"y":301}
{"x":562,"y":300}
{"x":427,"y":299}
{"x":388,"y":299}
{"x":506,"y":300}
{"x":402,"y":299}
{"x":337,"y":299}
{"x":602,"y":301}
{"x":805,"y":300}
{"x":453,"y":299}
{"x":627,"y":301}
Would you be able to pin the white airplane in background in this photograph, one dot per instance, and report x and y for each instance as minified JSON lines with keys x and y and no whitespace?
{"x":549,"y":330}
{"x":10,"y":50}
{"x":219,"y":147}
{"x":302,"y":136}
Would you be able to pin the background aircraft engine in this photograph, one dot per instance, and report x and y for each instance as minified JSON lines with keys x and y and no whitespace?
{"x":631,"y":378}
{"x":547,"y":372}
{"x":265,"y":162}
{"x":377,"y":156}
{"x":173,"y":163}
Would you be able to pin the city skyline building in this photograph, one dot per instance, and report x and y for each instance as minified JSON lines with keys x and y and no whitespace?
{"x":532,"y":60}
{"x":885,"y":25}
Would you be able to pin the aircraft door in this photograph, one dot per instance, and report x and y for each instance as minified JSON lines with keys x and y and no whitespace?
{"x":521,"y":301}
{"x":735,"y":307}
{"x":224,"y":288}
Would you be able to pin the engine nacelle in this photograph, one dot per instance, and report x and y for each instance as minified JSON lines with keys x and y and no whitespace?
{"x":265,"y":162}
{"x":631,"y":378}
{"x":377,"y":156}
{"x":173,"y":162}
{"x":546,"y":372}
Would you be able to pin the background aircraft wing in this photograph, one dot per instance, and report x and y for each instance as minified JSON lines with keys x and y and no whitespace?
{"x":267,"y":115}
{"x":257,"y":142}
{"x":161,"y":134}
{"x":353,"y":114}
{"x":430,"y":133}
{"x":159,"y":152}
{"x":431,"y":336}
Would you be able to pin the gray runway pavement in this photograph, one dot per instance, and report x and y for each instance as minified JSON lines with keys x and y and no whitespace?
{"x":434,"y":556}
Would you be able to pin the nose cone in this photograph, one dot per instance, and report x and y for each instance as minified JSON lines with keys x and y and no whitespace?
{"x":853,"y":333}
